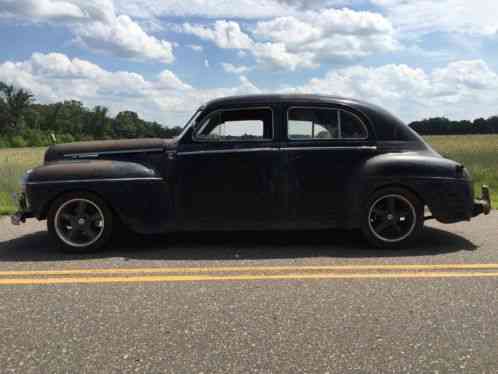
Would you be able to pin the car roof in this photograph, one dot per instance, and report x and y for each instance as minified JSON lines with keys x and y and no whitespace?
{"x":290,"y":98}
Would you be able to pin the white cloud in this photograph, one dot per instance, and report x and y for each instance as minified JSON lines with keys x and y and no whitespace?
{"x":206,"y":63}
{"x":95,"y":25}
{"x":459,"y":16}
{"x":234,"y":69}
{"x":305,"y":40}
{"x":58,"y":10}
{"x":166,"y":99}
{"x":124,"y":37}
{"x":167,"y":79}
{"x":44,"y":9}
{"x":228,"y":35}
{"x":225,"y":34}
{"x":331,"y":33}
{"x":460,"y":90}
{"x":276,"y":55}
{"x":204,"y":8}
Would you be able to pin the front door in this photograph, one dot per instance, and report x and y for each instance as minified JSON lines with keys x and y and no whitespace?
{"x":228,"y":170}
{"x":325,"y":149}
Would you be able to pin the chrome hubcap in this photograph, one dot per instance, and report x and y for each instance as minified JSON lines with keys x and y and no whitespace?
{"x":79,"y":222}
{"x":392,"y":218}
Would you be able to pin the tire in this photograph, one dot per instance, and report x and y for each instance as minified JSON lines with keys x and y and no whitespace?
{"x":80,"y":222}
{"x":392,"y":218}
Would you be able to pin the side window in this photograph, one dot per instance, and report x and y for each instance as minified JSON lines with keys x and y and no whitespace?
{"x":352,"y":127}
{"x":237,"y":125}
{"x":310,"y":123}
{"x":322,"y":123}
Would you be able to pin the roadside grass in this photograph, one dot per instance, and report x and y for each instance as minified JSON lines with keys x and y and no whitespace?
{"x":13,"y":164}
{"x":479,"y":153}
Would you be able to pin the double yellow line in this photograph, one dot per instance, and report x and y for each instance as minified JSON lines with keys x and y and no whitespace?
{"x":245,"y":273}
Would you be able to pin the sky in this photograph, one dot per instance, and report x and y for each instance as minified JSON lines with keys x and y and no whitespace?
{"x":165,"y":58}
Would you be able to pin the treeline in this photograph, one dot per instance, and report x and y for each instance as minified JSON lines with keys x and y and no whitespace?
{"x":443,"y":126}
{"x":24,"y":123}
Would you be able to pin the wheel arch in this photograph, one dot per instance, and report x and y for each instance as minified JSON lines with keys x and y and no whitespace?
{"x":400,"y":185}
{"x":44,"y":209}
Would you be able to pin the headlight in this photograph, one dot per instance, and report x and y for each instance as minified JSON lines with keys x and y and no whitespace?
{"x":24,"y":180}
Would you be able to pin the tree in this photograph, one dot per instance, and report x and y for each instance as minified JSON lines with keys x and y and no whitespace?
{"x":13,"y":105}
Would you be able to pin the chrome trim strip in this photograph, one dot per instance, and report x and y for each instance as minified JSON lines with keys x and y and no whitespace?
{"x":82,"y":155}
{"x":331,"y":148}
{"x":126,"y":151}
{"x":218,"y":151}
{"x":97,"y":180}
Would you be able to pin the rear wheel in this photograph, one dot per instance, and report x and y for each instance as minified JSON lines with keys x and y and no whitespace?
{"x":392,"y":218}
{"x":80,"y":222}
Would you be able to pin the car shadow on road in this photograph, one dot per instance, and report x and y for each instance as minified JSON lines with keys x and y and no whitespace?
{"x":235,"y":245}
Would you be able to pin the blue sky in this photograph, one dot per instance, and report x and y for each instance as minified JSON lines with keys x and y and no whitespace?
{"x":163,"y":58}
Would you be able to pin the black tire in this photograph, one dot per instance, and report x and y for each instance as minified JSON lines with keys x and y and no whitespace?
{"x":80,"y":222}
{"x":392,"y":218}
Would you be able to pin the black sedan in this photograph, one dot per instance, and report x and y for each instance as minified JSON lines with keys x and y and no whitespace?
{"x":254,"y":163}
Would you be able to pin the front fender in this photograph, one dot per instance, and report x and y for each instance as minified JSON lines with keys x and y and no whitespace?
{"x":74,"y":171}
{"x":134,"y":191}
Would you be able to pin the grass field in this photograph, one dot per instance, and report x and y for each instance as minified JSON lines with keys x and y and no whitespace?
{"x":479,"y":153}
{"x":13,"y":163}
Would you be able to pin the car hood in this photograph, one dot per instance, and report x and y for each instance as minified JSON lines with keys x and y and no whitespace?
{"x":92,"y":149}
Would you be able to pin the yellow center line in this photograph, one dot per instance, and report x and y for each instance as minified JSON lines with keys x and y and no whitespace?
{"x":245,"y":277}
{"x":238,"y":269}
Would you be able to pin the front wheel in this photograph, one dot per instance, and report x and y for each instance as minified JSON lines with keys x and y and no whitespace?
{"x":392,"y":218}
{"x":80,"y":222}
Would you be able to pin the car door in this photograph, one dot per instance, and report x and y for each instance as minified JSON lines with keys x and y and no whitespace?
{"x":228,"y":170}
{"x":325,"y":150}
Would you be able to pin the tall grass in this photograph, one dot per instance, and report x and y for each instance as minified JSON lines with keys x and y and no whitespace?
{"x":13,"y":164}
{"x":479,"y":153}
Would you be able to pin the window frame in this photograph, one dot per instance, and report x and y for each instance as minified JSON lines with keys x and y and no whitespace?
{"x":196,"y":129}
{"x":339,"y":124}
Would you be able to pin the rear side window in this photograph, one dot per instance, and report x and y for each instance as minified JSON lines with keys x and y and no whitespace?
{"x":306,"y":123}
{"x":323,"y":123}
{"x":351,"y":126}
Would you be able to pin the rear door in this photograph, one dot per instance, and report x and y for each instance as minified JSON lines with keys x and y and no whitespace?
{"x":325,"y":150}
{"x":228,"y":170}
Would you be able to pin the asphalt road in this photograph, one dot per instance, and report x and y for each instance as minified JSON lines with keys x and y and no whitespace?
{"x":309,"y":302}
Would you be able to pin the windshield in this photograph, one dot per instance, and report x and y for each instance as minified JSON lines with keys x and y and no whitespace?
{"x":191,"y":121}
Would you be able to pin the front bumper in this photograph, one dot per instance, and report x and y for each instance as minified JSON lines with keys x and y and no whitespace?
{"x":483,"y":205}
{"x":23,"y":211}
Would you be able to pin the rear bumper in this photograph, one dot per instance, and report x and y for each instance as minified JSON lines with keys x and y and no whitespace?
{"x":23,"y":211}
{"x":482,"y":205}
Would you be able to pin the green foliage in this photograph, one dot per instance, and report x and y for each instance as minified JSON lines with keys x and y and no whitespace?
{"x":24,"y":123}
{"x":65,"y":138}
{"x":18,"y":141}
{"x":443,"y":126}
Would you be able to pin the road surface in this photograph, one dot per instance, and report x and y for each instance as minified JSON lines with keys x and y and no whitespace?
{"x":284,"y":302}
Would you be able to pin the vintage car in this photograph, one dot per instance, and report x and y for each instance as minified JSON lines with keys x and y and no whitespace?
{"x":255,"y":162}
